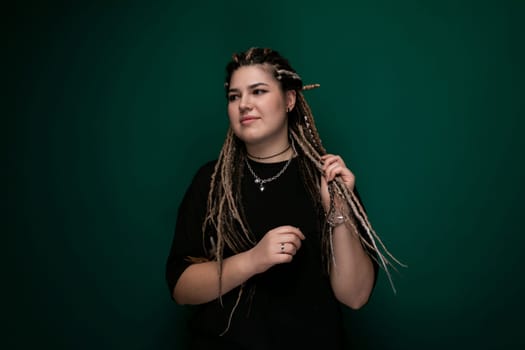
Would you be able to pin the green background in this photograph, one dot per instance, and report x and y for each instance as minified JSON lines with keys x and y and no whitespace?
{"x":111,"y":108}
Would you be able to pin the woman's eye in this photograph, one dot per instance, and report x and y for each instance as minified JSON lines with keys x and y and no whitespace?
{"x":258,"y":91}
{"x":232,"y":97}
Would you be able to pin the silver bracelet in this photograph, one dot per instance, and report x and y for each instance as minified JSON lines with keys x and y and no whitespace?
{"x":335,"y":219}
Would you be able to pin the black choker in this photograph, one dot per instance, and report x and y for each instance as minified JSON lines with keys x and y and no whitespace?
{"x":272,"y":156}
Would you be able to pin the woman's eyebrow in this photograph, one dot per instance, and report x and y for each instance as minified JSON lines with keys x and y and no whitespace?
{"x":251,"y":87}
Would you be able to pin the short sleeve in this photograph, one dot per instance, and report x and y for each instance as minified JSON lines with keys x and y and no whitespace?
{"x":188,"y":238}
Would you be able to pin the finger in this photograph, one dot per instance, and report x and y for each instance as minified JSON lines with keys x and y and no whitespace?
{"x":335,"y":169}
{"x":284,"y":253}
{"x":327,"y":156}
{"x":291,"y":239}
{"x":327,"y":159}
{"x":338,"y":168}
{"x":332,"y":162}
{"x":284,"y":258}
{"x":331,"y":158}
{"x":287,"y":248}
{"x":288,"y":229}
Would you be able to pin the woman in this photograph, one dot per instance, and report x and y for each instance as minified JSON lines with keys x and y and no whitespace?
{"x":271,"y":238}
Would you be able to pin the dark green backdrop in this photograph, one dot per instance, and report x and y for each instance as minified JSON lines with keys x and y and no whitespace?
{"x":111,"y":108}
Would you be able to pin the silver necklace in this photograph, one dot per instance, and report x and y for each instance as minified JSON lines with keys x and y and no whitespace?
{"x":261,"y":182}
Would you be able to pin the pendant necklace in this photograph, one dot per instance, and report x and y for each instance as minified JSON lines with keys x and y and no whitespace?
{"x":260,"y":182}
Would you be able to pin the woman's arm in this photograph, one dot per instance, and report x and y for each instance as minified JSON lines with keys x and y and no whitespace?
{"x":352,"y":273}
{"x":199,"y":283}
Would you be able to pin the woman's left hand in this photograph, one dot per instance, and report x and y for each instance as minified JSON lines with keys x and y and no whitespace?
{"x":333,"y":165}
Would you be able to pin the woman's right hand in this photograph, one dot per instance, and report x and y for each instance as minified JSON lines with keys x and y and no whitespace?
{"x":278,"y":246}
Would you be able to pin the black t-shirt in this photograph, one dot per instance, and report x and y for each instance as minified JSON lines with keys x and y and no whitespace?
{"x":289,"y":306}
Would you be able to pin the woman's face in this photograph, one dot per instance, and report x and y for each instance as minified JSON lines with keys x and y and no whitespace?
{"x":257,"y":106}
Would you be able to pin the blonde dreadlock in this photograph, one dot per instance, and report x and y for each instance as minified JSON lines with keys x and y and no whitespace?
{"x":225,"y":214}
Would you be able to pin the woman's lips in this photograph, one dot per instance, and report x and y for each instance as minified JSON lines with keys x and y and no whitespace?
{"x":248,"y":119}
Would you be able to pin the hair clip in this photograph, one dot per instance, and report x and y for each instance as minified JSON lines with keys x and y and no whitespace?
{"x":291,"y":74}
{"x":311,"y":86}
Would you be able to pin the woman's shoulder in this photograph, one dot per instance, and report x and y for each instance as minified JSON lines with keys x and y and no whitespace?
{"x":204,"y":173}
{"x":200,"y":182}
{"x":206,"y":169}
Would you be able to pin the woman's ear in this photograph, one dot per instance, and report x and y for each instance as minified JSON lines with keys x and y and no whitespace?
{"x":291,"y":96}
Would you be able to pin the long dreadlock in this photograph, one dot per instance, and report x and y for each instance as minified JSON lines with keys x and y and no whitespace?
{"x":224,"y":208}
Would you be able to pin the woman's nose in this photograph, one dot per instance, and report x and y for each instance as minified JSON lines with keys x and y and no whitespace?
{"x":245,"y":103}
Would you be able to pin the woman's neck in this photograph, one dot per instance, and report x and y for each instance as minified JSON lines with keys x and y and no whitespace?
{"x":278,"y":152}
